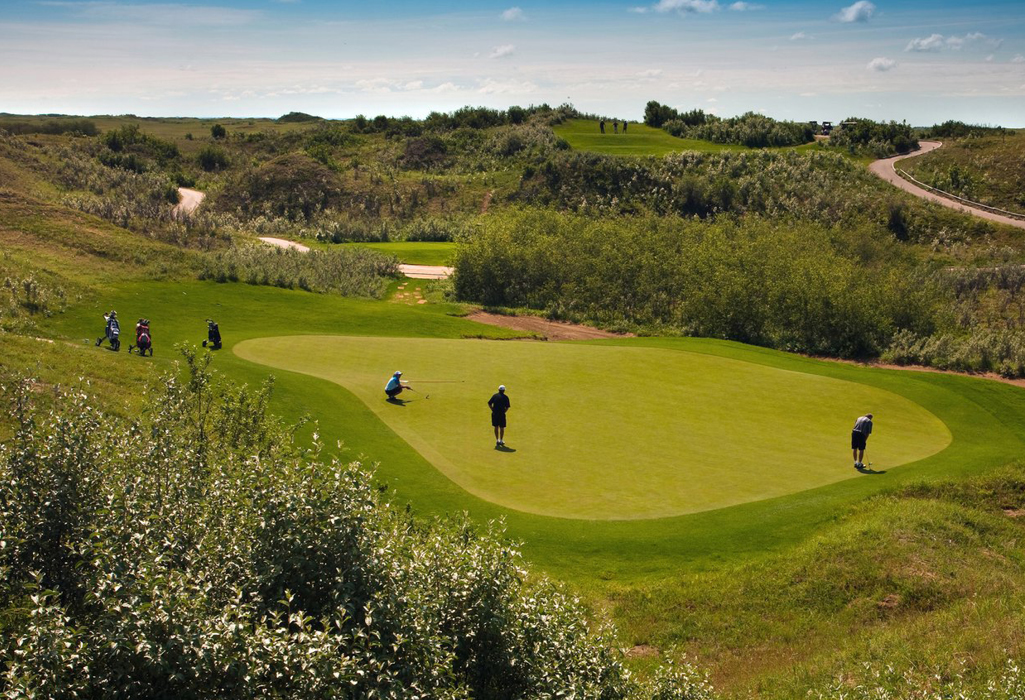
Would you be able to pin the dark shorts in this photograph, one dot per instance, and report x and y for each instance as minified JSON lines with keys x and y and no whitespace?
{"x":858,"y":440}
{"x":392,"y":393}
{"x":498,"y":420}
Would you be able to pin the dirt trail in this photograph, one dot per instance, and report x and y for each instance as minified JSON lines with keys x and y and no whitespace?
{"x":426,"y":272}
{"x":419,"y":272}
{"x":190,"y":200}
{"x":551,"y":330}
{"x":282,"y":243}
{"x":886,"y":169}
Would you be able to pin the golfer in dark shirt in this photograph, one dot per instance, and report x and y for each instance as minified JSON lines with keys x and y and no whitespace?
{"x":499,"y":404}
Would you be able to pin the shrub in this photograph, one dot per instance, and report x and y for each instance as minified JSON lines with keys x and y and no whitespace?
{"x":425,"y":153}
{"x":202,"y":554}
{"x":293,"y":186}
{"x":212,"y":158}
{"x":218,"y":132}
{"x":70,"y":126}
{"x":795,"y":287}
{"x":751,"y":130}
{"x":350,"y":272}
{"x":878,"y":139}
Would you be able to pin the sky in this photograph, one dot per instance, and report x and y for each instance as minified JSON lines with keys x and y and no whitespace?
{"x":920,"y":61}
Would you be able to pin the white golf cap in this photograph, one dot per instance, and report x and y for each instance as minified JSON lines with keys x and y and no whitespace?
{"x":502,"y":387}
{"x":397,"y":373}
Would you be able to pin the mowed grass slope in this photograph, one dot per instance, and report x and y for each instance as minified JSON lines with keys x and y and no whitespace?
{"x":986,"y":420}
{"x":639,"y":140}
{"x":416,"y":252}
{"x":611,"y":432}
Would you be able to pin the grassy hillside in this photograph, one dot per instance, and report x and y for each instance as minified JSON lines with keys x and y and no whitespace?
{"x":988,"y":169}
{"x":917,"y":567}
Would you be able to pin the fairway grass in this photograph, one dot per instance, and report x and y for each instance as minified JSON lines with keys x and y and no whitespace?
{"x":639,"y":140}
{"x":610,"y":432}
{"x":415,"y":252}
{"x":986,"y":421}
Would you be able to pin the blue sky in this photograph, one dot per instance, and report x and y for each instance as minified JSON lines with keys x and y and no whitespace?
{"x":923,"y":62}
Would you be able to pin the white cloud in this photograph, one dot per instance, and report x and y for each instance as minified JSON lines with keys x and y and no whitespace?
{"x":989,"y":59}
{"x":881,"y":65}
{"x":375,"y":85}
{"x":651,"y":73}
{"x":489,"y":86}
{"x":861,"y":11}
{"x":444,"y":88}
{"x":746,"y":7}
{"x":798,"y":36}
{"x":502,"y":51}
{"x":638,"y":10}
{"x":933,"y":42}
{"x":687,"y":6}
{"x":513,"y":14}
{"x":1018,"y":59}
{"x":937,"y":42}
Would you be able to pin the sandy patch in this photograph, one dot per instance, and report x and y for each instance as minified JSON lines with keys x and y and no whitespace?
{"x":550,"y":330}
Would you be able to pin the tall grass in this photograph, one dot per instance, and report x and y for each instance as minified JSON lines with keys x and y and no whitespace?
{"x":349,"y":272}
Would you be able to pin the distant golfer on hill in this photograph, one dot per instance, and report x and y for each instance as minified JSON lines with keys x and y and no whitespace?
{"x":499,"y":404}
{"x":859,"y":436}
{"x":395,"y":386}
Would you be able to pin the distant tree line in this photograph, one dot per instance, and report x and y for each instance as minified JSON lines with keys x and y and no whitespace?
{"x":865,"y":136}
{"x":750,"y":129}
{"x":953,"y":129}
{"x":463,"y":118}
{"x":72,"y":127}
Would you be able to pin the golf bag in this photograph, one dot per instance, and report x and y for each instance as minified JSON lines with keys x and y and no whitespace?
{"x":143,"y":340}
{"x":213,"y":335}
{"x":112,"y":332}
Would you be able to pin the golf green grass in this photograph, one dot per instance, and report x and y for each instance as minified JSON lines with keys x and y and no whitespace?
{"x":986,"y":420}
{"x":639,"y":140}
{"x":610,"y":432}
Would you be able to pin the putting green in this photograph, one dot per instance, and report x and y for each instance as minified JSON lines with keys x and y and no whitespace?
{"x":613,"y":432}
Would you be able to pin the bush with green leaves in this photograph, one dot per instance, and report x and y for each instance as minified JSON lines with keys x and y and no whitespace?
{"x":750,"y":129}
{"x":293,"y":186}
{"x":797,"y":287}
{"x":212,"y":158}
{"x":349,"y":271}
{"x":868,"y":137}
{"x":21,"y":297}
{"x":202,"y":553}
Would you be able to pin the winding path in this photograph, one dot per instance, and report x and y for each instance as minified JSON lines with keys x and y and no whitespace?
{"x":188,"y":202}
{"x":887,"y":170}
{"x":191,"y":199}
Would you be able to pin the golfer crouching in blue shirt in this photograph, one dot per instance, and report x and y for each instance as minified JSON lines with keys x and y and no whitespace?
{"x":396,"y":386}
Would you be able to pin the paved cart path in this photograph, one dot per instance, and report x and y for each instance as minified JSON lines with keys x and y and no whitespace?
{"x":886,"y":169}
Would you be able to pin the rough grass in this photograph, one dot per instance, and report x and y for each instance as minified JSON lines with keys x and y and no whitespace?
{"x":929,"y":576}
{"x":989,"y":169}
